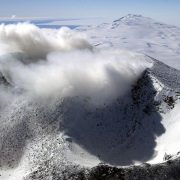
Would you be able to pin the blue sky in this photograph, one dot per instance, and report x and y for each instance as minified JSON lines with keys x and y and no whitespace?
{"x":164,"y":10}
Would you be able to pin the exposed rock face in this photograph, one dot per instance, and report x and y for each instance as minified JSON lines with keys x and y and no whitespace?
{"x":3,"y":80}
{"x":164,"y":171}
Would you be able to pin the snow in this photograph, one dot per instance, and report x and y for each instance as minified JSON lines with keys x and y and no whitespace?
{"x":139,"y":34}
{"x":169,"y":142}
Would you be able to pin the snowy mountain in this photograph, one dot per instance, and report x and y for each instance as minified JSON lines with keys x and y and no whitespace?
{"x":139,"y":34}
{"x":102,"y":108}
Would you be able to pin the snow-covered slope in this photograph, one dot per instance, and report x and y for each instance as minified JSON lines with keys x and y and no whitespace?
{"x":73,"y":133}
{"x":140,"y":34}
{"x":135,"y":128}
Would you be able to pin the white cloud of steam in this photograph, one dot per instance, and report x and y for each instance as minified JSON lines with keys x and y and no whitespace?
{"x":36,"y":43}
{"x":67,"y":67}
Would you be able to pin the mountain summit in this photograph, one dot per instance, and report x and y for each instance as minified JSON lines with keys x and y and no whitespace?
{"x":133,"y":19}
{"x":140,"y":34}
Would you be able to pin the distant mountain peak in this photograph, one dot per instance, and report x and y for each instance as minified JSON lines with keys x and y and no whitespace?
{"x":130,"y":17}
{"x":134,"y":15}
{"x":133,"y":20}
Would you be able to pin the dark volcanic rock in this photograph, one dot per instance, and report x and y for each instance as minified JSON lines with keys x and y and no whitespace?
{"x":165,"y":171}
